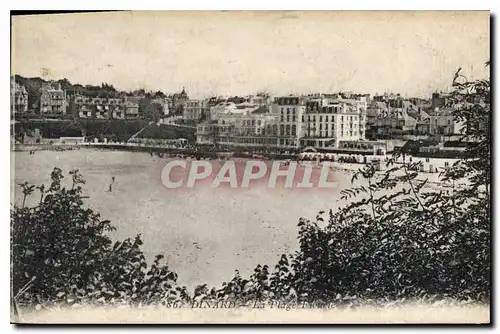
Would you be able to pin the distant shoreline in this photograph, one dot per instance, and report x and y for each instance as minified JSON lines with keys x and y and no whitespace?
{"x":183,"y":153}
{"x":189,"y":151}
{"x":146,"y":149}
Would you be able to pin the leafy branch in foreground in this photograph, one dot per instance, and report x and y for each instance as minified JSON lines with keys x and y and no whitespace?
{"x":64,"y":253}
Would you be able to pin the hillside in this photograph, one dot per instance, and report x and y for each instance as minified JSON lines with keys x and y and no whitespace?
{"x":114,"y":130}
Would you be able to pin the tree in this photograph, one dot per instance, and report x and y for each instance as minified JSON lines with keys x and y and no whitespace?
{"x":61,"y":253}
{"x":471,"y":101}
{"x":150,"y":111}
{"x":160,"y":94}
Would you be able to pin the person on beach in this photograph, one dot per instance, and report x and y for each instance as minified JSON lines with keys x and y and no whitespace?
{"x":111,"y":184}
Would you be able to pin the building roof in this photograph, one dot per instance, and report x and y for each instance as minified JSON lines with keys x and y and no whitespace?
{"x":377,"y":104}
{"x":261,"y":110}
{"x":440,"y":112}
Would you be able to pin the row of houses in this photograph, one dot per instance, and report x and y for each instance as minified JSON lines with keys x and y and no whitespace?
{"x":55,"y":101}
{"x":326,"y":121}
{"x":18,"y":97}
{"x":316,"y":120}
{"x":395,"y":116}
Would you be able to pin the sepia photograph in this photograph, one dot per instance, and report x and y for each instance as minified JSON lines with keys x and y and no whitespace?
{"x":250,"y":167}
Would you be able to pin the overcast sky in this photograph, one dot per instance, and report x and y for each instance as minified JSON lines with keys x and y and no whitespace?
{"x":237,"y":53}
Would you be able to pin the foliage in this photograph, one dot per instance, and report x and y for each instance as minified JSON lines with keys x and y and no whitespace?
{"x":61,"y":253}
{"x":150,"y":111}
{"x":114,"y":130}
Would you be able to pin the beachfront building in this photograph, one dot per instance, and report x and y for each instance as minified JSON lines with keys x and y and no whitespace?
{"x":442,"y":122}
{"x":290,"y":112}
{"x":329,"y":121}
{"x":258,"y":123}
{"x":243,"y":124}
{"x":18,"y":97}
{"x":206,"y":132}
{"x":53,"y":100}
{"x":374,"y":111}
{"x":398,"y":119}
{"x":293,"y":122}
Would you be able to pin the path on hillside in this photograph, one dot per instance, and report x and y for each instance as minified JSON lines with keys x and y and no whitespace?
{"x":139,"y":132}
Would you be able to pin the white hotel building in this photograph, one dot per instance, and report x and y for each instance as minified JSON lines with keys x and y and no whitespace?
{"x":292,"y":123}
{"x":244,"y":124}
{"x":289,"y":112}
{"x":327,"y":122}
{"x":319,"y":122}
